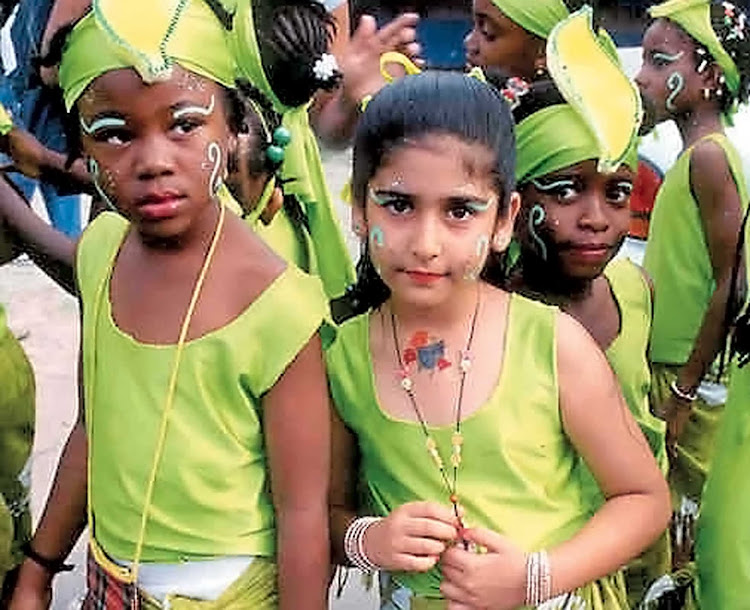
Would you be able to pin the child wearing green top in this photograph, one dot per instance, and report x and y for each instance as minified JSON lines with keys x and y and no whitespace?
{"x":574,"y":217}
{"x":201,"y":476}
{"x":695,"y":70}
{"x":462,"y":406}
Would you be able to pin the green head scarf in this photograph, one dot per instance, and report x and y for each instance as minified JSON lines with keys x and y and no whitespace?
{"x":694,"y":16}
{"x":536,"y":16}
{"x":149,"y":37}
{"x":589,"y":125}
{"x":302,"y":169}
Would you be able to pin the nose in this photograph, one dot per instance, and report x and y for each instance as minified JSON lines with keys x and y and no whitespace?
{"x":640,"y":78}
{"x":594,"y":217}
{"x":154,"y":157}
{"x":427,"y":241}
{"x":470,"y":43}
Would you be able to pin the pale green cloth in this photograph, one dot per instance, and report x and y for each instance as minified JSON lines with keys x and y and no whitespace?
{"x":536,"y":16}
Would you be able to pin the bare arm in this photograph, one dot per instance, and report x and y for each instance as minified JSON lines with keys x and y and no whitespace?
{"x":637,"y":507}
{"x":343,"y":493}
{"x":63,"y":520}
{"x":334,"y":115}
{"x":52,"y":250}
{"x":715,"y":191}
{"x":297,"y":428}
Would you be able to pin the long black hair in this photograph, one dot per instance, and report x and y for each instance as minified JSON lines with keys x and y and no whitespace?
{"x":431,"y":103}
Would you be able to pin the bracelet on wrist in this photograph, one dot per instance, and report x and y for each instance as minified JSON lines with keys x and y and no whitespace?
{"x":538,"y":578}
{"x":354,"y":543}
{"x":53,"y":566}
{"x":683,"y":395}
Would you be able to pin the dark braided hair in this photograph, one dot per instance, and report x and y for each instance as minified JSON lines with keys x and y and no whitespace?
{"x":737,"y":46}
{"x":292,"y":36}
{"x":440,"y":103}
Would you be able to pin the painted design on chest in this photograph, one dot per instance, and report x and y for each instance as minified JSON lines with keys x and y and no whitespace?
{"x":426,"y":353}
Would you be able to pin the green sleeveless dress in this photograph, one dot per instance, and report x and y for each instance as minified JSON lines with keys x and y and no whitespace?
{"x":678,"y":262}
{"x":519,"y":475}
{"x":627,"y":355}
{"x":17,"y":416}
{"x":212,"y":494}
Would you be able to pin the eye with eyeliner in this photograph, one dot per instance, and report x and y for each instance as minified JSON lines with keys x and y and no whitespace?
{"x":396,"y":203}
{"x":109,"y":129}
{"x":563,"y":189}
{"x":619,"y":192}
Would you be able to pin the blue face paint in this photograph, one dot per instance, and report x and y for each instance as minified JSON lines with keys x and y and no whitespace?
{"x":482,"y":243}
{"x":551,"y":186}
{"x":479,"y":206}
{"x":667,"y":58}
{"x":377,"y":237}
{"x":377,"y":199}
{"x":536,"y":218}
{"x":675,"y":84}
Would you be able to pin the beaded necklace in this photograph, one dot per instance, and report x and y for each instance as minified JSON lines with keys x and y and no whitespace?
{"x":457,"y":439}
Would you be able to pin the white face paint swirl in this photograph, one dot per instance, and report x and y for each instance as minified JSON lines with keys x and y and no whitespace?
{"x":202,"y":110}
{"x":93,"y":168}
{"x":101,"y":123}
{"x":214,"y":156}
{"x":675,"y":84}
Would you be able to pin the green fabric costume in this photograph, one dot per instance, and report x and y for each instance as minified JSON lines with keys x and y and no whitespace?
{"x":519,"y":474}
{"x":678,"y":261}
{"x":302,"y":166}
{"x":723,"y":537}
{"x":538,"y":17}
{"x":212,"y":500}
{"x":17,"y":415}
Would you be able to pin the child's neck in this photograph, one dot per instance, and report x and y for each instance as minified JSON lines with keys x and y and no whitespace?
{"x":194,"y":240}
{"x":446,"y":315}
{"x":698,"y":123}
{"x":551,"y":286}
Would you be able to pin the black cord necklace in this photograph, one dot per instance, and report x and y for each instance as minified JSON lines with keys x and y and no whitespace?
{"x":457,"y":439}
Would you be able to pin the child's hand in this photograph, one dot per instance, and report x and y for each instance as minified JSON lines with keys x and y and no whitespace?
{"x":412,"y":537}
{"x":495,"y":579}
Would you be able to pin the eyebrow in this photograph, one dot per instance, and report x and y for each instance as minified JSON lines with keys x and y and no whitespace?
{"x":666,"y":56}
{"x":183,"y":108}
{"x":476,"y":203}
{"x":101,"y":121}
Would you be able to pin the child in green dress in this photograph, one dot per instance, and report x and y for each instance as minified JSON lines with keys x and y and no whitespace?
{"x":202,"y":480}
{"x":695,"y":70}
{"x":463,"y":407}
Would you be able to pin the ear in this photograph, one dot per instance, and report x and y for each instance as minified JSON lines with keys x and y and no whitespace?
{"x":712,"y":76}
{"x":505,"y":223}
{"x":359,"y":222}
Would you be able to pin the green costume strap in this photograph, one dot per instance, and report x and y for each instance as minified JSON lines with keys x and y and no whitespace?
{"x":694,"y":16}
{"x":6,"y":122}
{"x":538,"y":17}
{"x":111,"y":38}
{"x":587,"y":126}
{"x":302,"y":170}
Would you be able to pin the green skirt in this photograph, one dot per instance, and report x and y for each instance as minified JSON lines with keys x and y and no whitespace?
{"x":17,"y":414}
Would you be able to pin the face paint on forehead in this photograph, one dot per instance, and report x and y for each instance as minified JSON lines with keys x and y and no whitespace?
{"x":202,"y":110}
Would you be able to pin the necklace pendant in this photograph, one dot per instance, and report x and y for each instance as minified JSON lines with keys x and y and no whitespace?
{"x":407,"y":384}
{"x":465,"y":362}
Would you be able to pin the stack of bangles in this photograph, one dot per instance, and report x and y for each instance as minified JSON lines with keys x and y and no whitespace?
{"x":683,"y":395}
{"x":538,"y":578}
{"x":354,"y":543}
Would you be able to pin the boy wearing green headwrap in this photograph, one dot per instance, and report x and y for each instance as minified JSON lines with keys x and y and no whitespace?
{"x":695,"y":71}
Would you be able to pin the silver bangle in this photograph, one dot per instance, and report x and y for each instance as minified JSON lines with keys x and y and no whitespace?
{"x":538,"y":578}
{"x":678,"y":392}
{"x":354,"y":543}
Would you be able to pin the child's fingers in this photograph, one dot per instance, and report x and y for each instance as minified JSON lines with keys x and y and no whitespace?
{"x":455,"y":594}
{"x":492,"y":541}
{"x":430,"y":528}
{"x":423,"y":547}
{"x":393,"y":34}
{"x":414,"y":563}
{"x":431,"y":510}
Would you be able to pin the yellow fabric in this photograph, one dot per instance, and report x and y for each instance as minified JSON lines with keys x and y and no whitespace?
{"x":519,"y":474}
{"x":255,"y":589}
{"x":114,"y":36}
{"x":214,"y":499}
{"x":6,"y":122}
{"x":582,"y":67}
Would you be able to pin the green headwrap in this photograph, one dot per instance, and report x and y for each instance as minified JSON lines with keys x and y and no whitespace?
{"x":589,"y":125}
{"x":149,"y":37}
{"x":694,"y":16}
{"x":536,"y":16}
{"x":302,"y":170}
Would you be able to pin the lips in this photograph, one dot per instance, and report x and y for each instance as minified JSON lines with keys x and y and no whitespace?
{"x":159,"y":205}
{"x":424,"y":277}
{"x":590,"y":252}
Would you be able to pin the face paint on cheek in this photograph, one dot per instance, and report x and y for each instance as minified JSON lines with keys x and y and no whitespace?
{"x":377,"y":237}
{"x":214,"y":158}
{"x":96,"y":178}
{"x":476,"y":264}
{"x":537,"y":216}
{"x":675,"y":84}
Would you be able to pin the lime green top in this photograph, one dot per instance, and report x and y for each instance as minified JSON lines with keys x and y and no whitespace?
{"x":677,"y":258}
{"x":628,"y":353}
{"x":519,"y":473}
{"x":289,"y":240}
{"x":212,"y":490}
